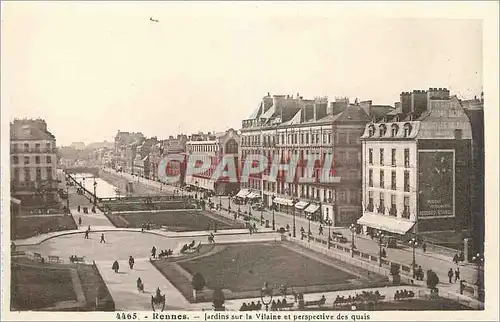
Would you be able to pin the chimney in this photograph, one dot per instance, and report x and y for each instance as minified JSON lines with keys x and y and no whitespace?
{"x":405,"y":99}
{"x":418,"y":102}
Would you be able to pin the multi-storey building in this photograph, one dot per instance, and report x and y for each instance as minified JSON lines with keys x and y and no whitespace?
{"x":286,"y":127}
{"x":210,"y":149}
{"x":172,"y":146}
{"x":33,"y":163}
{"x":125,"y":149}
{"x":416,"y":167}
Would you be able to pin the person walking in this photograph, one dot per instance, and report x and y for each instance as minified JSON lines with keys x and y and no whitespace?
{"x":115,"y":266}
{"x":79,"y":221}
{"x":87,"y":234}
{"x":424,"y":247}
{"x":102,"y":239}
{"x":457,"y":274}
{"x":320,"y":230}
{"x":88,"y":228}
{"x":131,"y":262}
{"x":78,"y":208}
{"x":140,"y":285}
{"x":153,"y":252}
{"x":450,"y":275}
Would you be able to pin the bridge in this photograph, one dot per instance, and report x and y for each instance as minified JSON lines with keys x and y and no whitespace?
{"x":91,"y":170}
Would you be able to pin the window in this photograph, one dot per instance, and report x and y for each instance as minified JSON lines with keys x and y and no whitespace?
{"x":393,"y":180}
{"x":312,"y":138}
{"x":382,"y":129}
{"x":317,"y":138}
{"x":353,"y":158}
{"x":407,"y":158}
{"x":393,"y":157}
{"x":307,"y":138}
{"x":353,"y":194}
{"x":393,"y":210}
{"x":26,"y":160}
{"x":406,"y":209}
{"x":370,"y":178}
{"x":47,"y":146}
{"x":407,"y":130}
{"x":353,"y":175}
{"x":282,"y":138}
{"x":37,"y":159}
{"x":37,"y":147}
{"x":26,"y":147}
{"x":302,"y":138}
{"x":38,"y":174}
{"x":370,"y":156}
{"x":371,"y":130}
{"x":329,"y":138}
{"x":15,"y":159}
{"x":394,"y":129}
{"x":27,"y":175}
{"x":381,"y":156}
{"x":342,"y":196}
{"x":382,"y":179}
{"x":369,"y":207}
{"x":16,"y":175}
{"x":342,"y":138}
{"x":407,"y":181}
{"x":381,"y":204}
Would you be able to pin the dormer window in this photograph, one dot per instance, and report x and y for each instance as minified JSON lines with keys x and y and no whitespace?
{"x":371,"y":130}
{"x":382,"y":129}
{"x":394,"y":130}
{"x":407,"y":130}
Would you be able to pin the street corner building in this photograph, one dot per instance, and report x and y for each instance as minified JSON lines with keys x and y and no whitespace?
{"x":33,"y":164}
{"x":417,"y":163}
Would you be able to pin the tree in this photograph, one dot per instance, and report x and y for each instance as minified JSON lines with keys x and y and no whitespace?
{"x":218,"y":300}
{"x":394,"y":271}
{"x":432,"y":279}
{"x":198,"y":283}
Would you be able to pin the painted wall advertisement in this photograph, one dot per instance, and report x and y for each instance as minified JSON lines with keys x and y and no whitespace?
{"x":436,"y":183}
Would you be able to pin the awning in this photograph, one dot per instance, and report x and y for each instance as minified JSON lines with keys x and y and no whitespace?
{"x":383,"y":222}
{"x":283,"y":201}
{"x":243,"y":193}
{"x":253,"y":195}
{"x":15,"y":200}
{"x":312,"y":208}
{"x":301,"y":205}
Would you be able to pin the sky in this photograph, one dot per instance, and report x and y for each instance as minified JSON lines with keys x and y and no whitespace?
{"x":91,"y":69}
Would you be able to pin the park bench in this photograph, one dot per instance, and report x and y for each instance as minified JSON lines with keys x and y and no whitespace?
{"x":55,"y":259}
{"x":76,"y":259}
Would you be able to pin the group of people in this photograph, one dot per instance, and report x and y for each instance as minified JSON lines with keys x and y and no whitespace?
{"x":251,"y":306}
{"x":458,"y":258}
{"x":165,"y":253}
{"x":190,"y":246}
{"x":404,"y":294}
{"x":419,"y":273}
{"x":359,"y":297}
{"x":276,"y":305}
{"x":456,"y":274}
{"x":116,"y":265}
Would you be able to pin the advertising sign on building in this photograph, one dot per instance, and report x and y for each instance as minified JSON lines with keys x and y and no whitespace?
{"x":436,"y":183}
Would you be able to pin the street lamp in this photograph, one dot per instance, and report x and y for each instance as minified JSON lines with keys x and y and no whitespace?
{"x":249,"y":208}
{"x":220,"y":201}
{"x":414,"y":244}
{"x":329,"y":222}
{"x":353,"y":230}
{"x":229,"y":199}
{"x":95,"y":194}
{"x":380,"y":238}
{"x":309,"y":222}
{"x":293,"y":212}
{"x":272,"y":206}
{"x":266,"y":295}
{"x":196,"y":193}
{"x":479,"y":260}
{"x":67,"y":196}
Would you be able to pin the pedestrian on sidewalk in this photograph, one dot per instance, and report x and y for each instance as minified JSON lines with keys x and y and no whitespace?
{"x":457,"y":274}
{"x":79,"y":221}
{"x":115,"y":266}
{"x":455,"y":259}
{"x":87,"y":234}
{"x":78,"y":208}
{"x":424,"y":247}
{"x":88,"y":228}
{"x":153,"y":252}
{"x":131,"y":262}
{"x":320,"y":230}
{"x":450,"y":275}
{"x":102,"y":239}
{"x":140,"y":285}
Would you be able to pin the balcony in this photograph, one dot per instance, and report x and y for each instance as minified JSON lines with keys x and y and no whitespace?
{"x":33,"y":150}
{"x":370,"y":207}
{"x":381,"y":209}
{"x":406,"y":214}
{"x":393,"y":211}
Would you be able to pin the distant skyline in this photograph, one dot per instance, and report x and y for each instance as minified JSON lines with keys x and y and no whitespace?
{"x":91,"y":69}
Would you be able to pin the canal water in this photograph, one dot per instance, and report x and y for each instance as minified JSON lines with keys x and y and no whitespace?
{"x":103,"y":188}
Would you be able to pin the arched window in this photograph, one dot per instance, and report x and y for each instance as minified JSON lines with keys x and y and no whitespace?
{"x":407,"y":130}
{"x":231,"y":146}
{"x":383,"y":129}
{"x":371,"y":130}
{"x":394,"y":129}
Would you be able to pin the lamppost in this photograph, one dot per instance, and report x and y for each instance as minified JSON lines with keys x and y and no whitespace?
{"x":266,"y":295}
{"x":229,"y":199}
{"x":95,"y":194}
{"x":196,"y":193}
{"x":67,"y":196}
{"x":414,"y":244}
{"x":352,"y":228}
{"x":272,"y":206}
{"x":329,"y":222}
{"x":249,"y":208}
{"x":479,"y":260}
{"x":293,"y":212}
{"x":309,"y":223}
{"x":220,"y":201}
{"x":380,"y":238}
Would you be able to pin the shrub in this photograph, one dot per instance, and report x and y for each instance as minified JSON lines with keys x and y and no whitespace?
{"x":394,"y":269}
{"x":218,"y":299}
{"x":198,"y":282}
{"x":432,"y":279}
{"x":282,"y":230}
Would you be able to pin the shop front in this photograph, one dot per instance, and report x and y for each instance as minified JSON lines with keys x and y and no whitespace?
{"x":373,"y":224}
{"x":300,"y":206}
{"x":283,"y":204}
{"x":313,"y":211}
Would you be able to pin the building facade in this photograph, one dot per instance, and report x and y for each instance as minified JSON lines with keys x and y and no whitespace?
{"x":211,"y":149}
{"x":33,"y":163}
{"x":416,"y":167}
{"x":125,"y":146}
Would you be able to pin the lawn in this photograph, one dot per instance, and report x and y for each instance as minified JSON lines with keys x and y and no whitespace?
{"x":28,"y":226}
{"x":241,"y":270}
{"x":36,"y":287}
{"x":440,"y":304}
{"x":178,"y":220}
{"x":136,"y":206}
